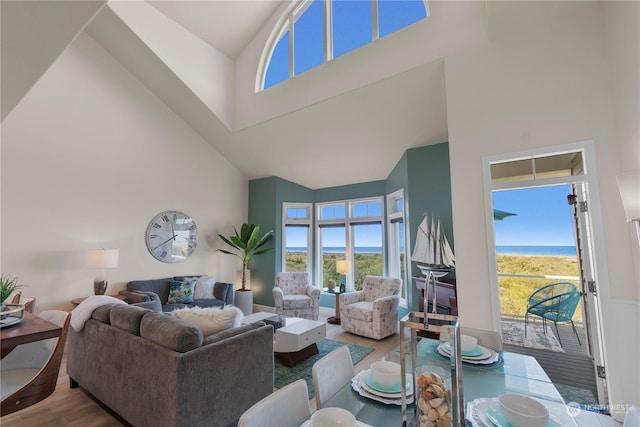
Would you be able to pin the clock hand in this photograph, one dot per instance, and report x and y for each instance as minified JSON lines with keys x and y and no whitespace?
{"x":173,"y":231}
{"x":173,"y":237}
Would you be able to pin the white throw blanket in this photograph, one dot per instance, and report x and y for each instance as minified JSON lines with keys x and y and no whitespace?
{"x":83,"y":311}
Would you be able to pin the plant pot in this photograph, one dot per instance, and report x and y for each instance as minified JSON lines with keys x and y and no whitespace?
{"x":244,"y":301}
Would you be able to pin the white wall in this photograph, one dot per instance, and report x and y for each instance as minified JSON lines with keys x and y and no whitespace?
{"x":539,"y":89}
{"x":452,"y":26}
{"x":89,"y":156}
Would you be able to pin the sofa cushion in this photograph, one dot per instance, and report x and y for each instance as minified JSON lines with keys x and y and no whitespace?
{"x":203,"y":288}
{"x":210,"y":320}
{"x":127,"y":318}
{"x":102,"y":314}
{"x":181,"y":291}
{"x":362,"y":310}
{"x":205,"y":303}
{"x":170,"y":332}
{"x":292,"y":302}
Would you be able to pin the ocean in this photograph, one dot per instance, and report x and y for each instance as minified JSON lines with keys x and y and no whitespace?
{"x":564,"y":251}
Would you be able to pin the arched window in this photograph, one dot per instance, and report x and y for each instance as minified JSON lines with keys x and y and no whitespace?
{"x":313,"y":32}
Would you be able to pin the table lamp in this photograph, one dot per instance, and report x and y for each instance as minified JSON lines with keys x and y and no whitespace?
{"x":342,"y":267}
{"x":102,"y":259}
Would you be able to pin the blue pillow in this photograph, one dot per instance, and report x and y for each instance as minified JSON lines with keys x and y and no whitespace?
{"x":181,"y":291}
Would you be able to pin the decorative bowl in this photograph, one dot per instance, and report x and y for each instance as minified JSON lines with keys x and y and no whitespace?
{"x":468,"y":343}
{"x":332,"y":417}
{"x":523,"y":411}
{"x":386,"y":373}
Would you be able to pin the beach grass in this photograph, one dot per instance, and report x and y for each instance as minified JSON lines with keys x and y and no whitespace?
{"x":514,"y":291}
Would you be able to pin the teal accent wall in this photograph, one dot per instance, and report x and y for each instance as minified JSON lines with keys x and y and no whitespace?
{"x":428,"y":191}
{"x":424,"y":174}
{"x":266,"y":196}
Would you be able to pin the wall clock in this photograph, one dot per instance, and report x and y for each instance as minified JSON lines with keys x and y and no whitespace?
{"x":171,"y":236}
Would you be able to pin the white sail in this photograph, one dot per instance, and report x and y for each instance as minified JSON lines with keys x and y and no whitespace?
{"x":432,"y":248}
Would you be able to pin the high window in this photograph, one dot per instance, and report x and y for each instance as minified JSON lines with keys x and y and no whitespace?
{"x":350,"y":230}
{"x":316,"y":31}
{"x":297,"y":236}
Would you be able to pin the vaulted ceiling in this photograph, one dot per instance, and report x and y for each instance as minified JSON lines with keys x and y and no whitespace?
{"x":356,"y":134}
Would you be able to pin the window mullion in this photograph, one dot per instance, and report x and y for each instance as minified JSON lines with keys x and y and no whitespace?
{"x":328,"y":30}
{"x":291,"y":36}
{"x":374,"y":20}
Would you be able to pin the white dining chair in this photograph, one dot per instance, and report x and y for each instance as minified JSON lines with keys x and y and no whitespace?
{"x":331,"y":373}
{"x":632,"y":418}
{"x":30,"y":371}
{"x":286,"y":407}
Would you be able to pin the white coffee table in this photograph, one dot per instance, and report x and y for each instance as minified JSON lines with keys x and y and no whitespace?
{"x":296,"y":340}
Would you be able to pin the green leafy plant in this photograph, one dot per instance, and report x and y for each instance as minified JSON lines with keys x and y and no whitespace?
{"x":247,"y":244}
{"x":8,"y":284}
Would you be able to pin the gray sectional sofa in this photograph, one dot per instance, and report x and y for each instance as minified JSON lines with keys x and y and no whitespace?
{"x":222,"y":294}
{"x":157,"y":370}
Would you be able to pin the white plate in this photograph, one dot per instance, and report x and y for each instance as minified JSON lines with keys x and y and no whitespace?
{"x":494,"y":415}
{"x":367,"y":387}
{"x":356,"y":384}
{"x":486,"y":352}
{"x":493,"y":357}
{"x":372,"y":383}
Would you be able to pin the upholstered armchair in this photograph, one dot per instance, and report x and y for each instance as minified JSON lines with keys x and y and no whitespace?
{"x":373,"y":311}
{"x":295,"y":296}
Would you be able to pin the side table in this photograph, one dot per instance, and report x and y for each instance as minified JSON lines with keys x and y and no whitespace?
{"x":76,"y":301}
{"x":334,"y":320}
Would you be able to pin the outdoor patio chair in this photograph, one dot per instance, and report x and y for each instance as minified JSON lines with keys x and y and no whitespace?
{"x":556,"y":302}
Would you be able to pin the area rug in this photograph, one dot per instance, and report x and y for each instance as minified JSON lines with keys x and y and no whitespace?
{"x":581,"y":396}
{"x":285,"y":375}
{"x":513,"y":333}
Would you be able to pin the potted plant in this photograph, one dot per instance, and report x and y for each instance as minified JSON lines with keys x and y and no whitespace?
{"x":247,"y":244}
{"x":8,"y":284}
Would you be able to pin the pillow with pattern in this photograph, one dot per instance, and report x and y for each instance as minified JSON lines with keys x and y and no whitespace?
{"x":181,"y":291}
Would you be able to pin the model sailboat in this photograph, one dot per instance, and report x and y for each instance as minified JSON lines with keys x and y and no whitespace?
{"x":432,"y":250}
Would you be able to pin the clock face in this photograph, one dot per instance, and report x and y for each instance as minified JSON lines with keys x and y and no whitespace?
{"x":171,"y":236}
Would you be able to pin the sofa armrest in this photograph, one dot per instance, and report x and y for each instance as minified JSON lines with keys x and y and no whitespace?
{"x":351,"y":297}
{"x":388,"y":304}
{"x":223,"y":292}
{"x":278,"y":296}
{"x":132,"y":297}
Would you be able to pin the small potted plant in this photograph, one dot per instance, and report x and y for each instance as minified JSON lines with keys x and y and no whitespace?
{"x":246,"y":244}
{"x":8,"y":284}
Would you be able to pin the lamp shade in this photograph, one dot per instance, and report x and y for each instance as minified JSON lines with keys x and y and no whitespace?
{"x":342,"y":267}
{"x":103,"y":258}
{"x":629,"y":186}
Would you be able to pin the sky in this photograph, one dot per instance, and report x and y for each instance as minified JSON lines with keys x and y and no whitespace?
{"x":544,"y":218}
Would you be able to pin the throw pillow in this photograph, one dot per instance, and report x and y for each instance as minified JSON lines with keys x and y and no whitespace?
{"x":181,"y":291}
{"x":212,"y":319}
{"x":204,"y":287}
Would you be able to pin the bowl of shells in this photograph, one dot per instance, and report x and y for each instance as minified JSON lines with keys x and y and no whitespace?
{"x":434,"y":401}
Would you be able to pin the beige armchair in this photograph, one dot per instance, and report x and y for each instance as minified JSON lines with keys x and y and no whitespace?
{"x":373,"y":311}
{"x":294,"y":295}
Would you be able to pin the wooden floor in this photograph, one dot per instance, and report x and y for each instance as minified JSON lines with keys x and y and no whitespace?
{"x":67,"y":407}
{"x":573,"y":367}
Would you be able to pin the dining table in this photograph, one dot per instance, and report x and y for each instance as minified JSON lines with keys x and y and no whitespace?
{"x":31,"y":328}
{"x":512,"y":373}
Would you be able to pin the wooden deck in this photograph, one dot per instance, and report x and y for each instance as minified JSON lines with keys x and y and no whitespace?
{"x":573,"y":367}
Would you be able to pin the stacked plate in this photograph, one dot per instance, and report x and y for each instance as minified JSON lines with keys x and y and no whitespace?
{"x":485,"y":412}
{"x":478,"y":356}
{"x":366,"y":386}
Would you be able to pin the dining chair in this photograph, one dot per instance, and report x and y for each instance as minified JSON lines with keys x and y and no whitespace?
{"x":556,"y":302}
{"x":30,"y":371}
{"x":632,"y":418}
{"x":286,"y":407}
{"x":331,"y":373}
